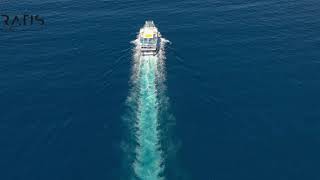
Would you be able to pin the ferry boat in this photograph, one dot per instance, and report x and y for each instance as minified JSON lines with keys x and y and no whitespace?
{"x":149,"y":39}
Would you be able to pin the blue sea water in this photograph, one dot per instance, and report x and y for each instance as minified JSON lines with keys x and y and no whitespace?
{"x":242,"y":78}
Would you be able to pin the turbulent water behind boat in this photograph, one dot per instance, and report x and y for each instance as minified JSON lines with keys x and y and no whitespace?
{"x":145,"y":102}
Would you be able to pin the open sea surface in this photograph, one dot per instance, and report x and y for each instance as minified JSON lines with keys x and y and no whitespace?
{"x":242,"y":82}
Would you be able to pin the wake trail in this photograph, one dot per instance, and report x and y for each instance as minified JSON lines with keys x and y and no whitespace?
{"x":148,"y":154}
{"x":143,"y":149}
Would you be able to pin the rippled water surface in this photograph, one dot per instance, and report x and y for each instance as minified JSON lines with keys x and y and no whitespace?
{"x":242,"y":81}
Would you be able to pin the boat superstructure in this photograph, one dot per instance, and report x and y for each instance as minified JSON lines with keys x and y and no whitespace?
{"x":149,"y":39}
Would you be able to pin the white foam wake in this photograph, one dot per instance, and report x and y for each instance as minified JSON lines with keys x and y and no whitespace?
{"x":148,"y":73}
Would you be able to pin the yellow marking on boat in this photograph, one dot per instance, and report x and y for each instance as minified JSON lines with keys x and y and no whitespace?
{"x":148,"y":35}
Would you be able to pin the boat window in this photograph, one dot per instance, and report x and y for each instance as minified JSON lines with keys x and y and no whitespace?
{"x":149,"y":41}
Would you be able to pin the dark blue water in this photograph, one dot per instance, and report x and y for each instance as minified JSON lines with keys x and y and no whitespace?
{"x":243,"y":78}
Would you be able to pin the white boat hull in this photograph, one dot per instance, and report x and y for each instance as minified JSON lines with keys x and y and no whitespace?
{"x":149,"y":39}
